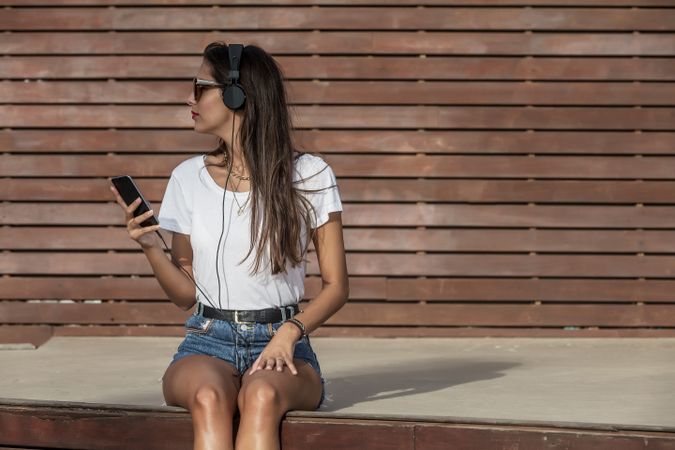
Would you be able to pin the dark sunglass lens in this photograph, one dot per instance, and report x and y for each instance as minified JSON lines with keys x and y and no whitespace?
{"x":197,"y":90}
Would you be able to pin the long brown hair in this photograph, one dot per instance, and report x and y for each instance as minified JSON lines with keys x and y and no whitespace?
{"x":267,"y":145}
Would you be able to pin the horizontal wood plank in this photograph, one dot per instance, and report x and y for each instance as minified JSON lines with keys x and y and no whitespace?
{"x":85,"y":426}
{"x":358,"y":117}
{"x":338,"y":18}
{"x":31,"y":335}
{"x":366,"y":314}
{"x":392,"y":289}
{"x":636,"y":3}
{"x":389,"y":190}
{"x":99,"y":426}
{"x":389,"y":166}
{"x":487,"y":142}
{"x":396,"y":215}
{"x":367,"y":92}
{"x":373,"y":264}
{"x":371,"y":67}
{"x":389,"y":331}
{"x":434,"y":437}
{"x":346,"y":42}
{"x":383,"y":239}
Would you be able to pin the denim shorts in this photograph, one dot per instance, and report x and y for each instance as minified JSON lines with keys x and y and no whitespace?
{"x":240,"y":344}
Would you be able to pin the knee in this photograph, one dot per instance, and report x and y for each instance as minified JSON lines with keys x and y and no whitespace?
{"x":259,"y":396}
{"x":208,"y":397}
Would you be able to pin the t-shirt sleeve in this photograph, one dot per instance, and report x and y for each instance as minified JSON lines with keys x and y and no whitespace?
{"x":325,"y":201}
{"x":175,"y":212}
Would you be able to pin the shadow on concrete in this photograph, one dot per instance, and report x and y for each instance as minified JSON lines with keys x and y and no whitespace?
{"x":396,"y":380}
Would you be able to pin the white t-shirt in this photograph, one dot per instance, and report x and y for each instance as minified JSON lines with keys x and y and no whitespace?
{"x":193,"y":205}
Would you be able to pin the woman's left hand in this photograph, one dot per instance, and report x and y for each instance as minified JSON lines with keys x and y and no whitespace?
{"x":278,"y":351}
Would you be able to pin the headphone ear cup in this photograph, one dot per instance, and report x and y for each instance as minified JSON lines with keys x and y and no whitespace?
{"x":234,"y":97}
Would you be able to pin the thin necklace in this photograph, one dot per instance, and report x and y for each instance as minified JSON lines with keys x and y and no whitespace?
{"x":235,"y":174}
{"x":240,"y":209}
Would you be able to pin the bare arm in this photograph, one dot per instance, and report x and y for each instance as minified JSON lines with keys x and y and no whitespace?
{"x":178,"y":287}
{"x":330,"y":249}
{"x":176,"y":284}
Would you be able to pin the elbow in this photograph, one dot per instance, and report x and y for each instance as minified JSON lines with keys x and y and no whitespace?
{"x":188,"y":306}
{"x":345,"y":292}
{"x":189,"y":299}
{"x":339,"y":292}
{"x":185,"y":302}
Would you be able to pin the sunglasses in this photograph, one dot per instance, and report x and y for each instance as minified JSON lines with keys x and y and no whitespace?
{"x":198,"y":85}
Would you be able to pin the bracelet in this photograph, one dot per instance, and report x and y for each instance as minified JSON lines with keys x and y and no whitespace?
{"x":298,"y":324}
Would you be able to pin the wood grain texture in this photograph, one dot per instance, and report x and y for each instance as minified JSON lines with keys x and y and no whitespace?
{"x":367,"y":288}
{"x":348,"y":42}
{"x":340,"y":18}
{"x":384,"y":167}
{"x":386,"y":214}
{"x":506,"y":167}
{"x":390,"y":331}
{"x":147,"y":142}
{"x":383,"y":239}
{"x":99,"y":426}
{"x":624,"y":3}
{"x":337,"y":92}
{"x":335,"y":67}
{"x":364,"y":314}
{"x":359,"y":117}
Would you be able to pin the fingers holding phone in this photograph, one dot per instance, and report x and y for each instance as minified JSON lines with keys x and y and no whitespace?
{"x":144,"y":235}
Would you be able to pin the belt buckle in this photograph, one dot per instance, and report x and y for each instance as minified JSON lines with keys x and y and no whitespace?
{"x":236,"y":317}
{"x":287,"y":312}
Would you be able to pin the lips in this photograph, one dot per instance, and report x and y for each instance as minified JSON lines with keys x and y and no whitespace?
{"x":194,"y":113}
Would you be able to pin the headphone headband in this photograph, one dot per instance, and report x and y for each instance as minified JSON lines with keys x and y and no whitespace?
{"x":234,"y":52}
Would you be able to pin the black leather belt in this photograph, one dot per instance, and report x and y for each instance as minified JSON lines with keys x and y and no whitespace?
{"x":249,"y":315}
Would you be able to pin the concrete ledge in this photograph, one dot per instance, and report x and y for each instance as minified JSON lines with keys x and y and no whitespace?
{"x":624,"y":382}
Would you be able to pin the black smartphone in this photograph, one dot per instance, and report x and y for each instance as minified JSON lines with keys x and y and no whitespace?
{"x":130,"y":192}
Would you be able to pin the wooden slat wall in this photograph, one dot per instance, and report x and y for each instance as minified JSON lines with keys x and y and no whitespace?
{"x":507,"y":167}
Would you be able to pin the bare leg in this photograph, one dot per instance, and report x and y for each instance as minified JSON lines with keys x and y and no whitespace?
{"x":265,"y":397}
{"x":208,"y":388}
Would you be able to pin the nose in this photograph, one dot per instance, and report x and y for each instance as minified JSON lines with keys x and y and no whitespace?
{"x":191,"y":99}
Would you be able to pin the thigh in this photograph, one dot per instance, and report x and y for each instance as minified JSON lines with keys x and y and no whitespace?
{"x":185,"y":376}
{"x":295,"y":392}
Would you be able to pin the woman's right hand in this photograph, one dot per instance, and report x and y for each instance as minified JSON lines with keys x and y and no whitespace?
{"x":145,"y":236}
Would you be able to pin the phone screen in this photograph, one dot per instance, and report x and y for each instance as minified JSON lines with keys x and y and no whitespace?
{"x":130,"y":192}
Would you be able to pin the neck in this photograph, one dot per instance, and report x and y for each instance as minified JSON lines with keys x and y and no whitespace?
{"x":238,"y":163}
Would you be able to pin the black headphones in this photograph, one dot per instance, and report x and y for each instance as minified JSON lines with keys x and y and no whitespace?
{"x":234,"y":95}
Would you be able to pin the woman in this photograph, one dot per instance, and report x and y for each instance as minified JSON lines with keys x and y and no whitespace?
{"x":244,"y":350}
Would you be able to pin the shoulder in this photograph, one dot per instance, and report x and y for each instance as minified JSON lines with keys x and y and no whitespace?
{"x":308,"y":165}
{"x":187,"y":168}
